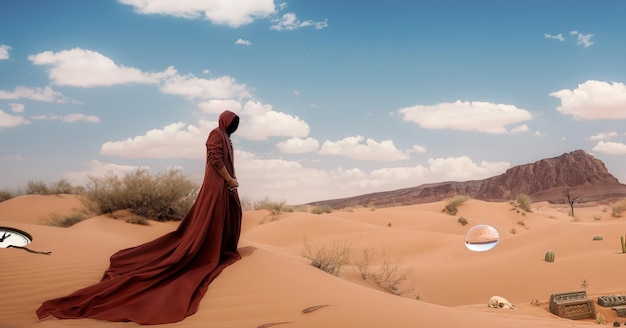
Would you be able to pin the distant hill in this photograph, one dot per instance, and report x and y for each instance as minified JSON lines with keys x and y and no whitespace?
{"x":545,"y":180}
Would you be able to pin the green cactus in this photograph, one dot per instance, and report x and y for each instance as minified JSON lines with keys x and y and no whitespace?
{"x":623,"y":238}
{"x":549,"y":256}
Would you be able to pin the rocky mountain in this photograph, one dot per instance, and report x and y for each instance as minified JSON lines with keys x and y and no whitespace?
{"x":545,"y":180}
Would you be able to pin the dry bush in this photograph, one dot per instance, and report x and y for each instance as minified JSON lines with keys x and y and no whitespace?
{"x":36,"y":188}
{"x":320,"y":209}
{"x":462,"y":220}
{"x":330,"y":257}
{"x":55,"y":188}
{"x":65,"y":221}
{"x":523,"y":201}
{"x":140,"y":220}
{"x":162,"y":197}
{"x":364,"y":263}
{"x":453,"y":203}
{"x":5,"y":195}
{"x":618,"y":208}
{"x":391,"y":275}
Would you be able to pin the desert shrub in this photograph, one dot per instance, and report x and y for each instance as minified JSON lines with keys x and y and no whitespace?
{"x":364,"y":263}
{"x":164,"y":196}
{"x":462,"y":220}
{"x":54,"y":188}
{"x":597,"y":217}
{"x":523,"y":201}
{"x":391,"y":275}
{"x":5,"y":195}
{"x":36,"y":188}
{"x":64,"y":187}
{"x":140,"y":220}
{"x":453,"y":203}
{"x":597,"y":237}
{"x":320,"y":209}
{"x":65,"y":221}
{"x":330,"y":257}
{"x":276,"y":207}
{"x":513,"y":231}
{"x":618,"y":208}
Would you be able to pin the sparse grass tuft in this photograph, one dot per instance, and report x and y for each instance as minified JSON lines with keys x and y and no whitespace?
{"x":462,"y":220}
{"x":453,"y":204}
{"x":597,"y":237}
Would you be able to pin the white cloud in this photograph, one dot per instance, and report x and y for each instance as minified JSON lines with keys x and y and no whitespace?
{"x":10,"y":121}
{"x":217,"y":106}
{"x":583,"y":39}
{"x":70,"y":118}
{"x":466,"y":116}
{"x":17,"y":108}
{"x":232,"y":13}
{"x":298,"y":146}
{"x":189,"y":86}
{"x":593,"y":100}
{"x":260,"y":121}
{"x":352,"y":147}
{"x":173,"y":141}
{"x":274,"y":178}
{"x":290,"y":22}
{"x":99,"y":169}
{"x":464,"y":169}
{"x":555,"y":37}
{"x":520,"y":129}
{"x":86,"y":68}
{"x":610,"y":148}
{"x":40,"y":94}
{"x":418,"y":149}
{"x":603,"y":136}
{"x":243,"y":42}
{"x":438,"y":170}
{"x":4,"y":52}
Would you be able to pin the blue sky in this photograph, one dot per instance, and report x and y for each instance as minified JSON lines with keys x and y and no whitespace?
{"x":336,"y":98}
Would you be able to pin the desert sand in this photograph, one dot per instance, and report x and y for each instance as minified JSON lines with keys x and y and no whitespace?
{"x":449,"y":286}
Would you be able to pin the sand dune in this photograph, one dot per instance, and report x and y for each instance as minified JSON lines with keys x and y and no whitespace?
{"x":273,"y":283}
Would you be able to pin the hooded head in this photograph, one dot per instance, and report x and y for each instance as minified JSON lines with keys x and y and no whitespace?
{"x":228,"y":122}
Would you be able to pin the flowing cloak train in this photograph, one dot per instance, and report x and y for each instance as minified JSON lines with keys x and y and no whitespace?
{"x":163,"y":281}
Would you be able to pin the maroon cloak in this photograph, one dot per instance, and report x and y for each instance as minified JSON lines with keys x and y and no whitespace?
{"x":163,"y":281}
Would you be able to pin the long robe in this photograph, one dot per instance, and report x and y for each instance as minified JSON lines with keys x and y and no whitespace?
{"x":163,"y":281}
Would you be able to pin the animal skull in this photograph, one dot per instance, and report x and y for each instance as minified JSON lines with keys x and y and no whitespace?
{"x":500,"y":302}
